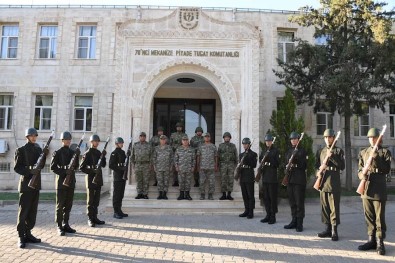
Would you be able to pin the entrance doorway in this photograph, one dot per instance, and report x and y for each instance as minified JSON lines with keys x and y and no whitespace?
{"x":191,"y":113}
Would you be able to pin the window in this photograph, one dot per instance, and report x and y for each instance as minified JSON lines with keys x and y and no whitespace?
{"x":43,"y":112}
{"x":83,"y":113}
{"x":324,"y":117}
{"x":47,"y":46}
{"x":286,"y":44}
{"x":392,"y":121}
{"x":87,"y":42}
{"x":9,"y":41}
{"x":5,"y":167}
{"x":361,"y":122}
{"x":6,"y":105}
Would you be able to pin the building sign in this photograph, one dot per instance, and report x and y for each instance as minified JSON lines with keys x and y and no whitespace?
{"x":186,"y":53}
{"x":189,"y":18}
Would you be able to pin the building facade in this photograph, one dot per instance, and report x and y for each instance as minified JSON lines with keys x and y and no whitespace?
{"x":120,"y":70}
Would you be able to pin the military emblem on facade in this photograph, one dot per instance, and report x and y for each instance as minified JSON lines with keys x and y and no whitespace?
{"x":189,"y":18}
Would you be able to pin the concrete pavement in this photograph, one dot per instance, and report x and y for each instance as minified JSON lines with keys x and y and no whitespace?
{"x":193,"y":237}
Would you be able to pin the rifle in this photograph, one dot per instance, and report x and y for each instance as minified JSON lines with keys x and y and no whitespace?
{"x":321,"y":172}
{"x":364,"y":184}
{"x":71,"y":167}
{"x":33,"y":183}
{"x":125,"y":173}
{"x":238,"y":167}
{"x":289,"y":164}
{"x":98,"y":166}
{"x":259,"y":173}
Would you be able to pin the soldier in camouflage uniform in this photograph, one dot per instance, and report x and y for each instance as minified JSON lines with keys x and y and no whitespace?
{"x":141,"y":160}
{"x":184,"y":160}
{"x":175,"y":141}
{"x":155,"y":141}
{"x":227,"y":159}
{"x":197,"y":140}
{"x":207,"y":166}
{"x":163,"y":163}
{"x":375,"y":197}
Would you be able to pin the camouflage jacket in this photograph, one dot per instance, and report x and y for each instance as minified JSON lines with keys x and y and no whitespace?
{"x":176,"y":139}
{"x":207,"y":154}
{"x":162,"y":158}
{"x":227,"y":153}
{"x":184,"y":158}
{"x":141,"y":152}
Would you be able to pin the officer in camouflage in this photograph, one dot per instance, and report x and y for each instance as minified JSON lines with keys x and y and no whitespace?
{"x":155,"y":141}
{"x":64,"y":194}
{"x":227,"y":159}
{"x":141,"y":160}
{"x":175,"y":141}
{"x":197,"y":140}
{"x":330,"y":191}
{"x":184,"y":160}
{"x":375,"y":197}
{"x":207,"y":166}
{"x":163,"y":161}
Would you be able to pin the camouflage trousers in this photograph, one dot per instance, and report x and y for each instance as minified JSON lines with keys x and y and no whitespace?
{"x":143,"y":173}
{"x":227,"y":176}
{"x":207,"y":175}
{"x":184,"y":180}
{"x":163,"y":178}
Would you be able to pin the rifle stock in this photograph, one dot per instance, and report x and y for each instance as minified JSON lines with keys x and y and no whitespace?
{"x":36,"y":178}
{"x":238,"y":167}
{"x":288,"y":167}
{"x":71,"y":167}
{"x":259,"y":173}
{"x":125,"y":173}
{"x":98,"y":179}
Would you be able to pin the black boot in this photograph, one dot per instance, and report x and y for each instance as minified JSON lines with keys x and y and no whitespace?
{"x":98,"y":221}
{"x":250,"y":214}
{"x":22,"y":240}
{"x":181,"y":196}
{"x":266,"y":219}
{"x":229,"y":197}
{"x":210,"y":197}
{"x":272,"y":219}
{"x":123,"y":214}
{"x":91,"y":222}
{"x":187,"y":196}
{"x":31,"y":239}
{"x":371,"y":244}
{"x":160,"y":195}
{"x":326,"y":233}
{"x":61,"y":231}
{"x":139,"y":196}
{"x":165,"y":196}
{"x":335,"y":236}
{"x":145,"y":196}
{"x":202,"y":197}
{"x":223,"y":197}
{"x":244,"y":214}
{"x":380,"y":247}
{"x":292,"y":224}
{"x":68,"y":229}
{"x":117,"y":216}
{"x":299,"y":224}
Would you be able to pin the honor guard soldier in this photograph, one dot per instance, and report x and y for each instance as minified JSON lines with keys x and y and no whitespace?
{"x":64,"y":193}
{"x":155,"y":141}
{"x":184,"y":160}
{"x":375,"y":197}
{"x":195,"y":142}
{"x":117,"y":164}
{"x":247,"y":178}
{"x":163,"y":165}
{"x":227,"y":160}
{"x":141,"y":160}
{"x":269,"y":181}
{"x":175,"y":141}
{"x":330,"y":189}
{"x":296,"y":188}
{"x":207,"y":166}
{"x":25,"y":159}
{"x":88,"y":166}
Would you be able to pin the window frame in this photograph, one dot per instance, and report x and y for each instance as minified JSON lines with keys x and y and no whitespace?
{"x":323,"y":108}
{"x":5,"y":41}
{"x":90,"y":54}
{"x":284,"y":44}
{"x":8,"y":120}
{"x":52,"y":43}
{"x":41,"y":115}
{"x":358,"y":121}
{"x":85,"y":114}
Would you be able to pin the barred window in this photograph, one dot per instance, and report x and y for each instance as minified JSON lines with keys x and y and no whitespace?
{"x":5,"y":167}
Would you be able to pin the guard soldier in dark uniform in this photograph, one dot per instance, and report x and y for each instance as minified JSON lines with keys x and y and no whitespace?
{"x":247,"y":178}
{"x":296,"y":188}
{"x":117,"y":164}
{"x":374,"y":199}
{"x":269,"y":181}
{"x":64,"y":194}
{"x":89,"y":166}
{"x":330,"y":191}
{"x":25,"y":158}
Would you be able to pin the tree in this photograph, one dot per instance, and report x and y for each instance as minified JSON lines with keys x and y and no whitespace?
{"x":356,"y":64}
{"x":283,"y":123}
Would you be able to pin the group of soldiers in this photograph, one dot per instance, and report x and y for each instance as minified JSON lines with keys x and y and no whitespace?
{"x":199,"y":158}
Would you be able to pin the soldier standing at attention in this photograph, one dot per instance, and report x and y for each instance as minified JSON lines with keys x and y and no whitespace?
{"x":269,"y":180}
{"x":117,"y":164}
{"x":207,"y":166}
{"x":330,"y":191}
{"x":155,"y":141}
{"x":296,"y":188}
{"x":25,"y":158}
{"x":141,"y":160}
{"x":375,"y":197}
{"x":184,"y":160}
{"x":163,"y":164}
{"x":196,"y":141}
{"x":88,"y":165}
{"x":175,"y":141}
{"x":247,"y":178}
{"x":227,"y":159}
{"x":64,"y":194}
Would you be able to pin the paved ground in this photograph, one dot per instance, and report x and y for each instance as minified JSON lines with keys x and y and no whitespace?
{"x":193,"y":238}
